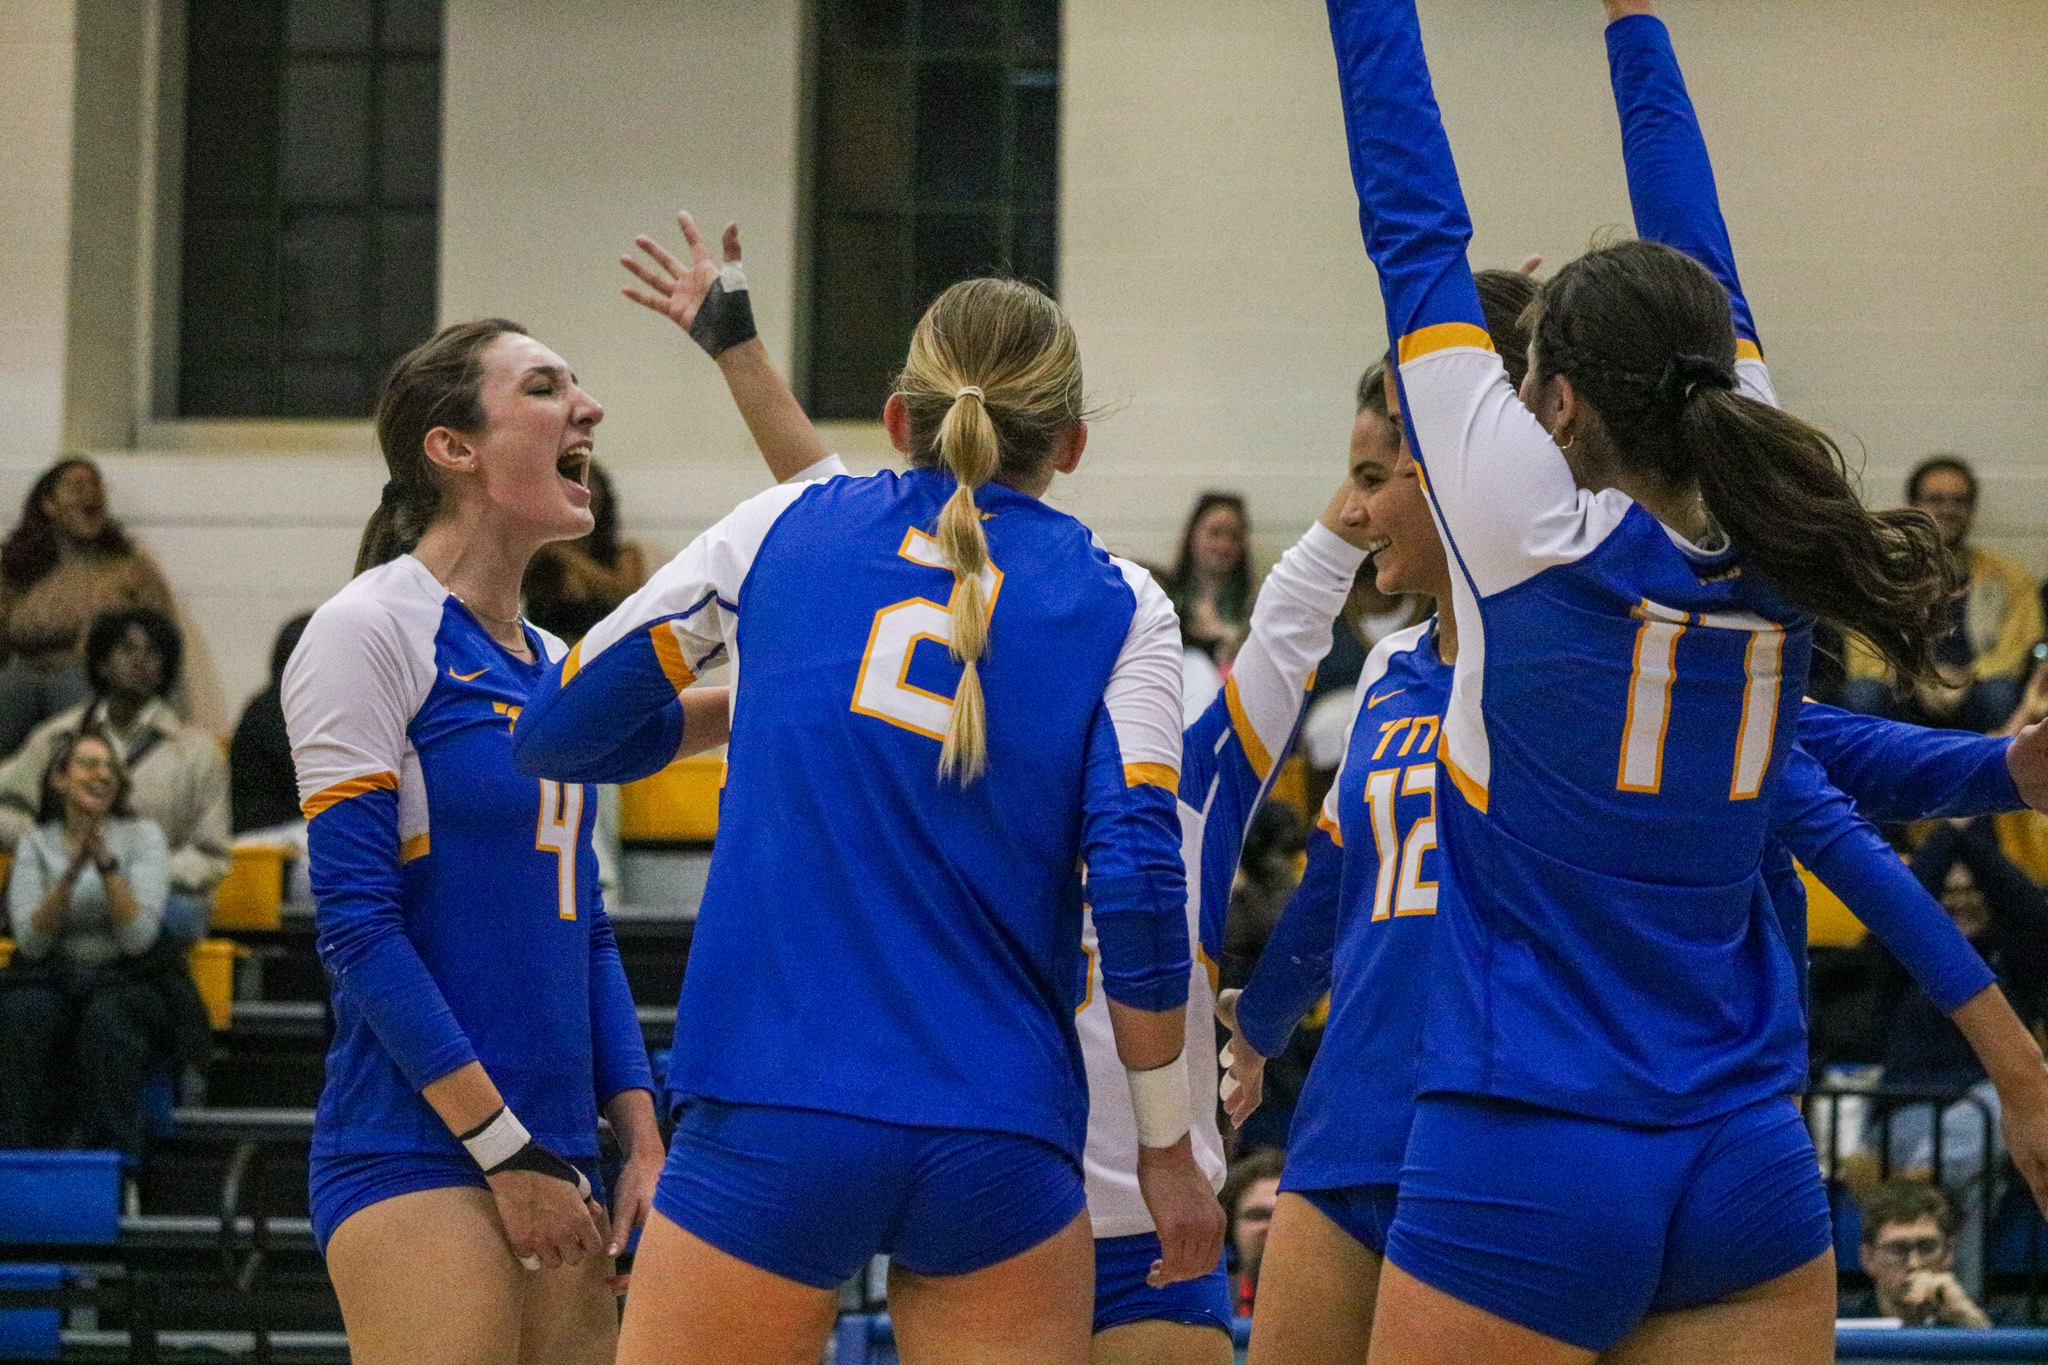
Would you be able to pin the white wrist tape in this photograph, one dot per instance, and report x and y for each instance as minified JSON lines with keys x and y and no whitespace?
{"x":1159,"y":1098}
{"x":499,"y":1141}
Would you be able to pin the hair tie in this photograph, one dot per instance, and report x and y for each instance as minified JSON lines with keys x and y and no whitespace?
{"x":391,"y":492}
{"x":1685,"y":374}
{"x":966,"y":389}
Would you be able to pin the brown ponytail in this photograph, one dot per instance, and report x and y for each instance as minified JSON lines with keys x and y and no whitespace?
{"x":992,"y":379}
{"x":436,"y":384}
{"x":1646,"y":337}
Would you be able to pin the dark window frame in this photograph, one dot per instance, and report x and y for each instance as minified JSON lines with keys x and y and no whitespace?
{"x":901,"y":202}
{"x":293,"y":300}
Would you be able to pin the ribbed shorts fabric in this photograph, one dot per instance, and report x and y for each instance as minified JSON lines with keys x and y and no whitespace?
{"x":1122,"y":1296}
{"x":1579,"y":1228}
{"x":811,"y":1196}
{"x":341,"y":1186}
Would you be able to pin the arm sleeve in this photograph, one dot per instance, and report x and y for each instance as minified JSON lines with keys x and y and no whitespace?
{"x":1505,"y":500}
{"x":610,"y":710}
{"x":199,"y":864}
{"x":1130,"y":825}
{"x":1821,"y":828}
{"x":1896,"y":772}
{"x":348,"y":696}
{"x":26,"y":883}
{"x":1294,"y":969}
{"x":146,"y":865}
{"x":619,"y":1050}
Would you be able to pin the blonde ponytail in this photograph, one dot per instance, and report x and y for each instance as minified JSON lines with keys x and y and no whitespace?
{"x":993,"y":377}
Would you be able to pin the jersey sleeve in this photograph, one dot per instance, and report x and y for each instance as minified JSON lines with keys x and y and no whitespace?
{"x":618,"y":1049}
{"x":349,"y":691}
{"x":1294,"y":967}
{"x":1896,"y":772}
{"x":611,"y":709}
{"x":1137,"y":882}
{"x":1503,"y":495}
{"x":1822,"y":829}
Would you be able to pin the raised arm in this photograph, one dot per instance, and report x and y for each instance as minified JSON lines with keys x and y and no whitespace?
{"x":710,"y":301}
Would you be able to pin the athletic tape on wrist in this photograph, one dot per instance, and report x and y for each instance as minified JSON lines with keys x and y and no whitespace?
{"x":726,"y":317}
{"x":503,"y":1144}
{"x":1159,"y":1099}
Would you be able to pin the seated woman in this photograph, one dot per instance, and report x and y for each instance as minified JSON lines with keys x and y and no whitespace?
{"x":93,"y":994}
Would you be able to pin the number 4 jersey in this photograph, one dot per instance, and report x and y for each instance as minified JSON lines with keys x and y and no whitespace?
{"x":459,"y":913}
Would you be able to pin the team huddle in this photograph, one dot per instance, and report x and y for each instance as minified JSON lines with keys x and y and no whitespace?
{"x":951,"y":994}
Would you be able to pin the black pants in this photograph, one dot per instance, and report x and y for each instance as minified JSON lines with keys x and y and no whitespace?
{"x":75,"y":1050}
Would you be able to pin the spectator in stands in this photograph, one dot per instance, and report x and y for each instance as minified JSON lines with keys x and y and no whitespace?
{"x":263,"y":787}
{"x":1992,"y":623}
{"x":1211,"y":581}
{"x":64,"y":563}
{"x":1909,"y":1251}
{"x":1248,"y":1196}
{"x":181,"y":782}
{"x":573,"y":584}
{"x":95,"y":992}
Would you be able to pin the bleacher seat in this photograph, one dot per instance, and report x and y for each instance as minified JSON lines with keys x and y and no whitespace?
{"x":213,"y":972}
{"x":51,"y":1198}
{"x":677,"y":805}
{"x":251,"y":896}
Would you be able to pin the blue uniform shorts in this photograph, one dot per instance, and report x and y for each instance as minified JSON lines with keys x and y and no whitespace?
{"x":811,"y":1196}
{"x":1363,"y":1211}
{"x":1122,"y":1296}
{"x":347,"y":1184}
{"x":1579,"y":1228}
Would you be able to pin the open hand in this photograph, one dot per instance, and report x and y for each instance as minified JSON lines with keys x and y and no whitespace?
{"x":676,"y":290}
{"x":1184,"y":1210}
{"x":1244,"y":1078}
{"x":632,"y":1201}
{"x":547,"y":1221}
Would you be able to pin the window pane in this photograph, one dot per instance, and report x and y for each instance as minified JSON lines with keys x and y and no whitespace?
{"x":406,"y":280}
{"x":323,"y":267}
{"x":1036,"y":258}
{"x":326,"y":132}
{"x":960,"y":23}
{"x":231,"y":25}
{"x":874,"y":24}
{"x":211,"y":391}
{"x":412,"y":25}
{"x":865,"y":147}
{"x":861,"y":323}
{"x":228,"y":291}
{"x":955,"y":246}
{"x":959,"y":132}
{"x":1038,"y":138}
{"x":230,"y":132}
{"x":316,"y":388}
{"x":410,"y":165}
{"x":1038,"y":27}
{"x":328,"y":26}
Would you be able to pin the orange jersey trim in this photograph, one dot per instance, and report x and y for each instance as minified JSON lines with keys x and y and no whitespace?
{"x":416,"y":847}
{"x":1254,"y":751}
{"x":1474,"y":794}
{"x":1151,"y":775}
{"x":1745,"y":349}
{"x":1330,"y":827}
{"x":668,"y":652}
{"x":1442,"y":337}
{"x":342,"y":791}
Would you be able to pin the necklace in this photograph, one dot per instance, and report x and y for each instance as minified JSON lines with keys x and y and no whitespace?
{"x":511,"y":622}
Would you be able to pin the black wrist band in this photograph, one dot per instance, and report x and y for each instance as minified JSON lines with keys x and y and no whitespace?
{"x":726,"y":317}
{"x":539,"y":1160}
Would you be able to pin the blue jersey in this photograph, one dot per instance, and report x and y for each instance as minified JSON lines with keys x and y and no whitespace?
{"x":1621,"y":706}
{"x":459,"y":913}
{"x":874,"y":940}
{"x":1361,"y":926}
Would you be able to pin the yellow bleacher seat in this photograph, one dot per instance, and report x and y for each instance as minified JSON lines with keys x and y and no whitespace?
{"x":1291,"y":786}
{"x":1829,"y":923}
{"x":679,"y":804}
{"x":6,"y":951}
{"x":251,"y":896}
{"x":213,"y":972}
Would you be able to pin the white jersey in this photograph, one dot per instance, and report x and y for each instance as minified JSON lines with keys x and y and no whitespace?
{"x":1230,"y":754}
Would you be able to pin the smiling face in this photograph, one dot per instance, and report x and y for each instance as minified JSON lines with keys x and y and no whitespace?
{"x":1408,"y":555}
{"x":88,"y":779}
{"x":1216,"y":543}
{"x":77,"y":505}
{"x":530,"y":463}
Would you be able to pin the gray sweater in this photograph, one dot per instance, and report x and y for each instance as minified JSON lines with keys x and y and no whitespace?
{"x":88,"y":936}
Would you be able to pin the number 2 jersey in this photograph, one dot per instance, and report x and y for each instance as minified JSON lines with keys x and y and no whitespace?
{"x":875,"y":940}
{"x":459,"y":913}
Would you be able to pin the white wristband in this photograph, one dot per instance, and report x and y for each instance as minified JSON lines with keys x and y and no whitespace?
{"x":500,"y":1140}
{"x":1159,"y":1099}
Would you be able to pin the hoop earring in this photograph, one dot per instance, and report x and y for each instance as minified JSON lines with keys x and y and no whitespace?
{"x":1566,"y":448}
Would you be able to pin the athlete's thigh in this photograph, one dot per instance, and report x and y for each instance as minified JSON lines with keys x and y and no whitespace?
{"x":692,"y":1304}
{"x":464,"y":1310}
{"x":1416,"y":1324}
{"x":1035,"y":1308}
{"x":1786,"y":1321}
{"x":1155,"y":1341}
{"x":1317,"y":1285}
{"x":570,"y":1315}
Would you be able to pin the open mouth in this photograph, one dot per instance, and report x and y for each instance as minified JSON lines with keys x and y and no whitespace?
{"x":573,"y":464}
{"x":1376,"y":544}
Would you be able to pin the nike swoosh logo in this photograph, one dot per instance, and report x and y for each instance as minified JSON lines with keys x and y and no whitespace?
{"x":1375,"y":701}
{"x":469,"y":677}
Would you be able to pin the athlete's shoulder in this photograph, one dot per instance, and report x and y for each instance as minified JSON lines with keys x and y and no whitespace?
{"x":389,"y":613}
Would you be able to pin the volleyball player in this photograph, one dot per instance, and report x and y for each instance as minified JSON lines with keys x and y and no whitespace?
{"x":482,"y":1019}
{"x":1639,"y":554}
{"x":875,"y":1038}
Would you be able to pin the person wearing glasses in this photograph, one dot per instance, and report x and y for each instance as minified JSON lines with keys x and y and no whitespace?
{"x":1909,"y":1252}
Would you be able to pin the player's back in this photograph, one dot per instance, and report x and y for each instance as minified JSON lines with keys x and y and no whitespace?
{"x":874,"y":937}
